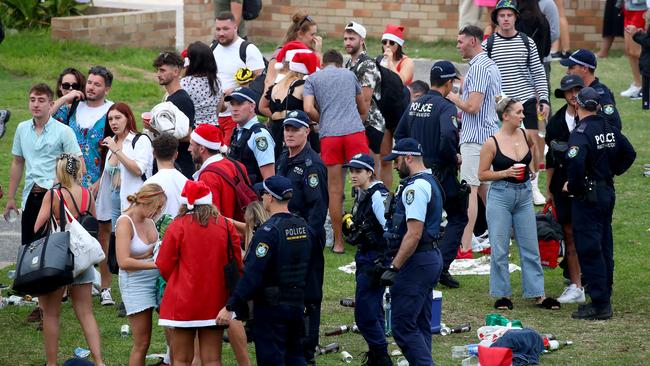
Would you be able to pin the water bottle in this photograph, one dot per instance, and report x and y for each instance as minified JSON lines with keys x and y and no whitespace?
{"x":338,"y":331}
{"x":332,"y":347}
{"x":347,"y":302}
{"x":388,"y":327}
{"x":554,"y":345}
{"x":402,"y":361}
{"x":464,"y":351}
{"x":346,"y":357}
{"x":470,"y":361}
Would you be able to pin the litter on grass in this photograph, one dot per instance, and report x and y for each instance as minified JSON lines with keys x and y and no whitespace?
{"x":459,"y":267}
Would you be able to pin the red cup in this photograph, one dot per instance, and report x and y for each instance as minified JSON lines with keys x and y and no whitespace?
{"x":521,"y":170}
{"x":146,"y":117}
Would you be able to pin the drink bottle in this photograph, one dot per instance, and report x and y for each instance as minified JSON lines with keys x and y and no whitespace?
{"x":388,"y":327}
{"x":338,"y":331}
{"x":464,"y":351}
{"x":332,"y":347}
{"x":347,"y":302}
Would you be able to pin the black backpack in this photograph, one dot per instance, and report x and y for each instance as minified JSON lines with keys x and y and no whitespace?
{"x":392,"y":103}
{"x":251,"y":9}
{"x":85,"y":218}
{"x":135,"y":140}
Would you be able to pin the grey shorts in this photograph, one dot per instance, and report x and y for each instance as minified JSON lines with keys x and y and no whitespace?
{"x":471,"y":154}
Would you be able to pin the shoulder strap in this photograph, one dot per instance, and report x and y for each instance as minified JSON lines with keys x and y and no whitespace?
{"x":74,"y":203}
{"x":490,"y":44}
{"x":496,"y":142}
{"x":524,"y":37}
{"x":214,"y":44}
{"x":241,"y":172}
{"x":231,"y":250}
{"x":219,"y":172}
{"x":242,"y":50}
{"x":525,"y":138}
{"x":133,"y":142}
{"x":71,"y":111}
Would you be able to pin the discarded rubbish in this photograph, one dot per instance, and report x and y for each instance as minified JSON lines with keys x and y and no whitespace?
{"x":355,"y":328}
{"x":402,"y":361}
{"x":124,"y":330}
{"x":462,"y":328}
{"x":346,"y":357}
{"x":444,"y":329}
{"x":498,"y":319}
{"x":338,"y":331}
{"x":81,"y":352}
{"x":330,"y":348}
{"x":554,"y":345}
{"x":464,"y":351}
{"x":470,"y":361}
{"x":347,"y":302}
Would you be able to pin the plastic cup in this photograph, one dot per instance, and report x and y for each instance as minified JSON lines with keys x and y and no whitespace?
{"x":146,"y":117}
{"x":521,"y":170}
{"x":12,"y":216}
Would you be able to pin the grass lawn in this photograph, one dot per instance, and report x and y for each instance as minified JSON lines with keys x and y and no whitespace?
{"x":28,"y":58}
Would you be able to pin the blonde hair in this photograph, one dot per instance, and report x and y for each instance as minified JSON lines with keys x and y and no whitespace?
{"x":254,"y":216}
{"x":200,"y":213}
{"x":149,"y":195}
{"x":504,"y":104}
{"x":68,"y":170}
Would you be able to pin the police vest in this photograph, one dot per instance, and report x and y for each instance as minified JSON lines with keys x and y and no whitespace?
{"x":288,"y":274}
{"x":240,"y":151}
{"x":396,"y":223}
{"x":371,"y":235}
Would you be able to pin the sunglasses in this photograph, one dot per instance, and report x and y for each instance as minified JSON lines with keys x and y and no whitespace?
{"x":305,"y":19}
{"x":388,"y":42}
{"x":68,"y":86}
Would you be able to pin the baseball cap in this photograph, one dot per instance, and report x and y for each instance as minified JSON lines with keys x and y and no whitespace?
{"x":442,"y":70}
{"x":404,"y":147}
{"x":241,"y":95}
{"x":589,"y":99}
{"x":296,"y":119}
{"x":357,"y":28}
{"x":276,"y":185}
{"x":361,"y":161}
{"x":581,"y":57}
{"x":568,"y":82}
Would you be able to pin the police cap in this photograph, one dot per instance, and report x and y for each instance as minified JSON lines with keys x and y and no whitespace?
{"x":404,"y":147}
{"x":443,"y":70}
{"x":296,"y":119}
{"x":361,"y":161}
{"x":589,"y":99}
{"x":241,"y":95}
{"x":277,"y":186}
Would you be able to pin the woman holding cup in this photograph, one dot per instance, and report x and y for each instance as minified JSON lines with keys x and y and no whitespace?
{"x":510,"y":206}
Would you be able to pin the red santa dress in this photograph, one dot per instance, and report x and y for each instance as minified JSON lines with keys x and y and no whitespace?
{"x":191,"y":260}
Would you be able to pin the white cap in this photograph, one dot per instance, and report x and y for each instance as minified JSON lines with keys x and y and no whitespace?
{"x":357,"y":28}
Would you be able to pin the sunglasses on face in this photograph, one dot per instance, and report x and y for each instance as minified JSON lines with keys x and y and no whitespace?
{"x":68,"y":86}
{"x":305,"y":19}
{"x":386,"y":42}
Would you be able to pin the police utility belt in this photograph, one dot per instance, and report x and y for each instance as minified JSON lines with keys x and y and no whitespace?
{"x":591,"y":194}
{"x":396,"y":240}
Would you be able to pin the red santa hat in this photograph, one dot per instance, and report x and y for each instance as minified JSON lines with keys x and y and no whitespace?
{"x":289,"y":50}
{"x":394,"y":33}
{"x":305,"y":63}
{"x":209,"y":136}
{"x":196,"y":193}
{"x":186,"y":60}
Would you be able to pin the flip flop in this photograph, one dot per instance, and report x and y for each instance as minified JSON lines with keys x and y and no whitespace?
{"x":549,"y":303}
{"x":503,"y":303}
{"x":336,"y":252}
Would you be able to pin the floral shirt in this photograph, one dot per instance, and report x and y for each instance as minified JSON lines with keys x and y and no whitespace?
{"x":205,"y":104}
{"x":368,"y":76}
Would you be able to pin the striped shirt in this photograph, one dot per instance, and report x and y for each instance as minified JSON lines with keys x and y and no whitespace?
{"x":482,"y":77}
{"x":520,"y":80}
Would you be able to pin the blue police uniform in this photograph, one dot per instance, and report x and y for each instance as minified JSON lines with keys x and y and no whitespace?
{"x":608,"y":104}
{"x":418,"y":198}
{"x":597,"y":152}
{"x":253,"y":146}
{"x":432,"y":121}
{"x":275,"y":278}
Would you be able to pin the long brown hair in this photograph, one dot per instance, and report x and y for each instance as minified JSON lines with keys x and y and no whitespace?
{"x":200,"y":213}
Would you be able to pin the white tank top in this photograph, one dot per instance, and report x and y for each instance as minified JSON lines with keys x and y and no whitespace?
{"x":138,"y":247}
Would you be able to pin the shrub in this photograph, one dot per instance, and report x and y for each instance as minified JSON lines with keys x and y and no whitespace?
{"x":24,"y":14}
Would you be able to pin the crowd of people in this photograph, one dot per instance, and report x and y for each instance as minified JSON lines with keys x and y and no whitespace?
{"x":230,"y":194}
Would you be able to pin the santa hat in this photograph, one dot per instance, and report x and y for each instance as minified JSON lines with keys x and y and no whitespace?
{"x":209,"y":136}
{"x":289,"y":50}
{"x":305,"y":63}
{"x":394,"y":33}
{"x":186,"y":60}
{"x":196,"y":193}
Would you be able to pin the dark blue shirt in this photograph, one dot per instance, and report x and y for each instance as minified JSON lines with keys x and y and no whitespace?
{"x":608,"y":104}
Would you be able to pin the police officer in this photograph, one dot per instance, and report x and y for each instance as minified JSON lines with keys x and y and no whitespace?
{"x":364,"y":227}
{"x":432,"y":121}
{"x":275,"y":277}
{"x":597,"y":152}
{"x":583,"y":63}
{"x":308,"y":175}
{"x":251,"y":143}
{"x":413,"y":231}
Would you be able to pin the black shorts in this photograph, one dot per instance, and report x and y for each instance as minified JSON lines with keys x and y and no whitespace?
{"x":563,"y":207}
{"x":374,"y":139}
{"x":530,"y":114}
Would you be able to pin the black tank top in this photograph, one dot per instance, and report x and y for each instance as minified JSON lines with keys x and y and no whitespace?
{"x":502,"y":162}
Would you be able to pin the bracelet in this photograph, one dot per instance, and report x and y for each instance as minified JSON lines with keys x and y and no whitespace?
{"x":116,"y":151}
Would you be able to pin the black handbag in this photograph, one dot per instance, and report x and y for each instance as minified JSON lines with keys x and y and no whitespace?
{"x":231,"y":269}
{"x":112,"y":256}
{"x":47,"y":263}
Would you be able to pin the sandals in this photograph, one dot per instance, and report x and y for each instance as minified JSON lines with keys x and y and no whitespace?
{"x":337,"y":252}
{"x":549,"y":303}
{"x":503,"y":303}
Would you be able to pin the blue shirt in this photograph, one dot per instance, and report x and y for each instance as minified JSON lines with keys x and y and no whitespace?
{"x":261,"y":144}
{"x":482,"y":77}
{"x":41,"y":151}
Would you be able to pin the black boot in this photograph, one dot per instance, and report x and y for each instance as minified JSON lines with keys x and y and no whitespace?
{"x":377,"y":357}
{"x":447,"y":280}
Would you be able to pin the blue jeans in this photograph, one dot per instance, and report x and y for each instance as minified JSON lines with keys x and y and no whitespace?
{"x":510,"y":205}
{"x":116,"y":203}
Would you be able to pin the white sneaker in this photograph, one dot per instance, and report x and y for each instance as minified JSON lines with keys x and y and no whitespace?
{"x":538,"y":197}
{"x":571,"y":295}
{"x":631,"y":91}
{"x":106,"y":298}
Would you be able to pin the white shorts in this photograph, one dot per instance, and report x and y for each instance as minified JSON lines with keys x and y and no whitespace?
{"x":471,"y":154}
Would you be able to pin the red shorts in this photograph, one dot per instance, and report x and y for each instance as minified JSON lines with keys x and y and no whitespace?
{"x":227,"y":125}
{"x":635,"y":18}
{"x":337,"y":150}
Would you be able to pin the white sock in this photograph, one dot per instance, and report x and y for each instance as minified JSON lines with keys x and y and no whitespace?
{"x":167,"y":359}
{"x":534,"y":182}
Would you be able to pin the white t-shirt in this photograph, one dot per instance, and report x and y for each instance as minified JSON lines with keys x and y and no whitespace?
{"x":172,"y":181}
{"x":228,"y":62}
{"x":570,"y":121}
{"x":87,"y":116}
{"x":142,"y":154}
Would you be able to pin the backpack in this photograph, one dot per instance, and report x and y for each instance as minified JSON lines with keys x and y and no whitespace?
{"x":257,"y":85}
{"x":135,"y":140}
{"x":251,"y":9}
{"x":244,"y":193}
{"x":88,"y":221}
{"x":540,"y":33}
{"x":392,"y":103}
{"x":490,"y":44}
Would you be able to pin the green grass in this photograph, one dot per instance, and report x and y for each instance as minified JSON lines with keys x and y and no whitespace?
{"x":31,"y":57}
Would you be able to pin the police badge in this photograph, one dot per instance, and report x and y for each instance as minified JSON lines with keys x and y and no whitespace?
{"x":608,"y":109}
{"x":261,"y":143}
{"x":410,"y":196}
{"x":573,"y":152}
{"x":312,"y":180}
{"x":261,"y":250}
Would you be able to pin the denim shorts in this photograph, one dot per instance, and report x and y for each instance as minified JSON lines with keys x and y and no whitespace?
{"x":87,"y":276}
{"x":138,"y":289}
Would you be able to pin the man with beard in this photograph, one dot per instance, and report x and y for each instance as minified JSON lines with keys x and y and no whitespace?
{"x":231,"y":54}
{"x":413,"y":233}
{"x":168,"y":71}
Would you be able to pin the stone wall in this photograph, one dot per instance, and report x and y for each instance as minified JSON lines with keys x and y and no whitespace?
{"x":154,"y":29}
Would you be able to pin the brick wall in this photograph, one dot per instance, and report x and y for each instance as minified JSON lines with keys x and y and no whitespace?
{"x":427,"y":20}
{"x":154,"y":29}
